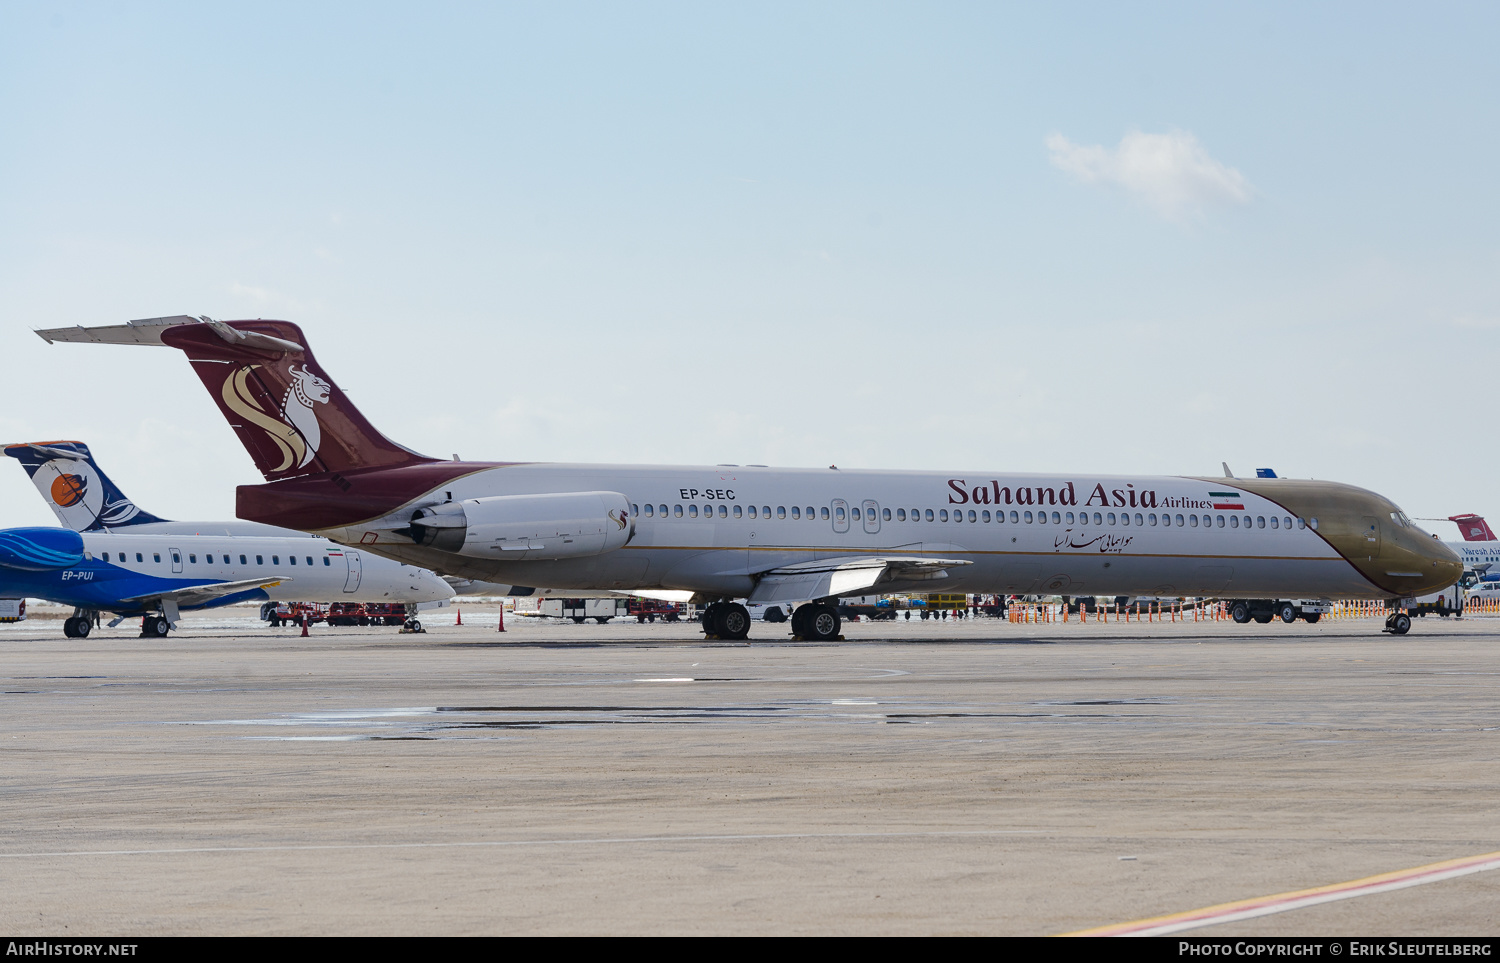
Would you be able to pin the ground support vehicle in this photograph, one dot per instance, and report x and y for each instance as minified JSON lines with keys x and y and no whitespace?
{"x":1450,"y":601}
{"x":293,"y":613}
{"x":1288,"y":610}
{"x":12,"y":610}
{"x":367,"y":613}
{"x":581,"y":610}
{"x":876,"y":608}
{"x":649,"y":610}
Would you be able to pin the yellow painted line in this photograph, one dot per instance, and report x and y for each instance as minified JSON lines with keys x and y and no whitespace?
{"x":1282,"y":902}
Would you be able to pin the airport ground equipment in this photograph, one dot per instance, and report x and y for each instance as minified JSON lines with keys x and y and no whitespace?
{"x":601,"y":610}
{"x":12,"y":610}
{"x":1288,"y":610}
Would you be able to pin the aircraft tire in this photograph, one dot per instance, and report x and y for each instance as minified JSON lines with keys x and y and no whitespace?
{"x":799,"y":620}
{"x":156,"y":627}
{"x":1240,"y":613}
{"x":1401,"y":624}
{"x":823,"y":623}
{"x":1288,"y":613}
{"x":69,"y":628}
{"x":732,"y":622}
{"x":81,"y":626}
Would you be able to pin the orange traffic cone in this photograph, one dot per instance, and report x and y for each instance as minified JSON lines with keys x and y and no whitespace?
{"x":304,"y":626}
{"x":502,"y":617}
{"x":460,"y":619}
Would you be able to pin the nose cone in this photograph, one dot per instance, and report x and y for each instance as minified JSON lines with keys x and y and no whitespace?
{"x":428,"y":587}
{"x":1444,"y":563}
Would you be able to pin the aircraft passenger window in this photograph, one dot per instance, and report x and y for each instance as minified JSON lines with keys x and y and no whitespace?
{"x":825,"y":512}
{"x":972,"y":516}
{"x":1015,"y":518}
{"x":692,"y":511}
{"x":1234,"y":521}
{"x":943,"y":515}
{"x":662,"y":511}
{"x":1275,"y":522}
{"x":900,"y":514}
{"x":886,"y":513}
{"x":138,"y":557}
{"x":291,"y":560}
{"x":1028,"y":518}
{"x":260,"y":560}
{"x":104,"y":557}
{"x":765,"y":510}
{"x":723,"y":511}
{"x":275,"y":559}
{"x":1138,"y":519}
{"x":1057,"y":519}
{"x":1068,"y":518}
{"x":325,"y":560}
{"x":985,"y":516}
{"x":1313,"y":524}
{"x":752,"y":511}
{"x":929,"y":514}
{"x":1111,"y":518}
{"x":852,"y":511}
{"x":781,"y":511}
{"x":650,"y":510}
{"x":1179,"y":521}
{"x":309,"y":560}
{"x":1286,"y":523}
{"x":1124,"y":518}
{"x":1301,"y":524}
{"x":176,"y":559}
{"x":635,"y":509}
{"x":1260,"y":521}
{"x":677,"y":510}
{"x":1192,"y":520}
{"x":1221,"y":521}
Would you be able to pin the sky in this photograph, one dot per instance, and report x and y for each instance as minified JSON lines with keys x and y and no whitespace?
{"x":1067,"y":238}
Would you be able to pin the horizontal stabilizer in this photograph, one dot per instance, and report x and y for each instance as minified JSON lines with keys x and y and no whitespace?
{"x":845,"y":575}
{"x":146,"y":332}
{"x":199,"y":594}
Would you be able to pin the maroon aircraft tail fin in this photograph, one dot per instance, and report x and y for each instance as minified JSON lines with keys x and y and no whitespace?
{"x":289,"y":414}
{"x":1473,"y":527}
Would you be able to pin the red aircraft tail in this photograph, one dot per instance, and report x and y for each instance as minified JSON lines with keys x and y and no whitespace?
{"x":290,"y":416}
{"x":1473,"y":527}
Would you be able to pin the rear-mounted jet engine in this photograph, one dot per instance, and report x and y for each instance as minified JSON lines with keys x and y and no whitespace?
{"x":515,"y":527}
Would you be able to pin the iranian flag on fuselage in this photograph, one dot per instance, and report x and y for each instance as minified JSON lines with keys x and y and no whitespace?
{"x":1227,"y":501}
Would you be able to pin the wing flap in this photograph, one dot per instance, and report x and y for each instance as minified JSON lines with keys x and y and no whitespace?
{"x":198,"y":594}
{"x":846,"y":576}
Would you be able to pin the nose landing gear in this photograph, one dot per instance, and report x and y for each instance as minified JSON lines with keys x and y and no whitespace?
{"x":1398,"y":623}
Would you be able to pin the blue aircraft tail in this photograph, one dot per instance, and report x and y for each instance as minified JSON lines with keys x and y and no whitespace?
{"x":78,"y":492}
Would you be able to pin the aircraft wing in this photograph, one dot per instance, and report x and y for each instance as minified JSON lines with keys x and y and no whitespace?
{"x":845,"y":575}
{"x":198,"y":594}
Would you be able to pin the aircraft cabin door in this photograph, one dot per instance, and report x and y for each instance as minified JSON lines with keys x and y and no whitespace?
{"x":351,"y":584}
{"x":872,"y":516}
{"x":176,"y":554}
{"x":840,"y":515}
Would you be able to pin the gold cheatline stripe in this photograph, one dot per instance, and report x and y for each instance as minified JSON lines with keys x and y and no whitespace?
{"x":1224,"y":909}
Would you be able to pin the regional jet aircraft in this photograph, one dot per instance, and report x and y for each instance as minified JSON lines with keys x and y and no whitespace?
{"x":114,"y":557}
{"x":769,"y":534}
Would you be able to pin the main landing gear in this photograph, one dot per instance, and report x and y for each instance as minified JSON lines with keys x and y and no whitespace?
{"x":79,"y":625}
{"x":1398,"y":623}
{"x":816,"y":622}
{"x":726,"y":621}
{"x":154,"y":627}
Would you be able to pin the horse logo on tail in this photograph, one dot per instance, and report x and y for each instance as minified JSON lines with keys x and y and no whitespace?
{"x":296,"y":433}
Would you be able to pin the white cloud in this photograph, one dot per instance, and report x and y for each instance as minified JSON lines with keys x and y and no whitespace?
{"x":1171,"y":172}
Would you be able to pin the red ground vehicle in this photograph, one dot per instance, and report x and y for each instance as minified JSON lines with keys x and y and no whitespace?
{"x":649,"y":610}
{"x":366,"y":613}
{"x":292,"y":613}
